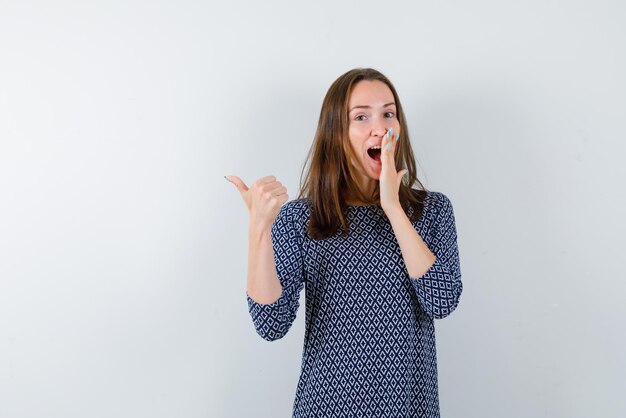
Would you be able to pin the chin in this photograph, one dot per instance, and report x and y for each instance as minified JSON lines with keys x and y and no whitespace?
{"x":374,"y":173}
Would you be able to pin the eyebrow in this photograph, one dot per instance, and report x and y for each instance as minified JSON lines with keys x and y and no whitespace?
{"x":369,"y":107}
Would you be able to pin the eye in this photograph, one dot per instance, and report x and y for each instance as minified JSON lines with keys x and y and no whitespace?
{"x":389,"y":114}
{"x":360,"y":116}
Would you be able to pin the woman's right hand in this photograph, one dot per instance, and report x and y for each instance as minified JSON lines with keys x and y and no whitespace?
{"x":263,"y":199}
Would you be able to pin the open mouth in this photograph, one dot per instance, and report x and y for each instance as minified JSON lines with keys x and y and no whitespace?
{"x":374,"y":153}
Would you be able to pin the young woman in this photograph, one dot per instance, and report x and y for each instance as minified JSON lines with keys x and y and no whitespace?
{"x":379,"y":260}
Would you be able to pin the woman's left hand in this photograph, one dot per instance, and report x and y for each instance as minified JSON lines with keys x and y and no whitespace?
{"x":390,"y":179}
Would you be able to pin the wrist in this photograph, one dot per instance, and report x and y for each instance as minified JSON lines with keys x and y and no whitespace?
{"x":258,"y":229}
{"x":394,"y":212}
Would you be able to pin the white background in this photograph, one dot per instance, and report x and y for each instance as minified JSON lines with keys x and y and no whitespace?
{"x":123,"y":251}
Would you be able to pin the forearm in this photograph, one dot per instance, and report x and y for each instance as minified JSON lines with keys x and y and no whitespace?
{"x":263,"y":283}
{"x":417,"y":256}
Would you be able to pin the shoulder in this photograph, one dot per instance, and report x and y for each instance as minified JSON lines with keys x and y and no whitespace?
{"x":437,"y":205}
{"x":436,"y":200}
{"x":294,"y":214}
{"x":297,"y":208}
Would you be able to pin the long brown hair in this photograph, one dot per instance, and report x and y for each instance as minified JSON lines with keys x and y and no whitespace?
{"x":327,"y":175}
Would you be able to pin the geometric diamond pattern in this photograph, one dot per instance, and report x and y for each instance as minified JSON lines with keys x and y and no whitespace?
{"x":369,"y":344}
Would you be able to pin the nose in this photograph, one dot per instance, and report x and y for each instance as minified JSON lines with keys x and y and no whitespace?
{"x":379,"y":130}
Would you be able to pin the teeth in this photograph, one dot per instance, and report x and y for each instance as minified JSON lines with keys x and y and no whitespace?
{"x":376,"y":147}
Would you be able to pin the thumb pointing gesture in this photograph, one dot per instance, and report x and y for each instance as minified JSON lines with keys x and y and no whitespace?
{"x":264,"y":199}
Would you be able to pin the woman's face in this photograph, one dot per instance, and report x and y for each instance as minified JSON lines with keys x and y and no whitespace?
{"x":372,"y":112}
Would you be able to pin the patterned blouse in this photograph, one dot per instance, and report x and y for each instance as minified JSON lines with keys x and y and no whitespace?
{"x":369,"y":344}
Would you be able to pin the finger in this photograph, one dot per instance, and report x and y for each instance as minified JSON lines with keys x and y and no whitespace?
{"x":393,"y":139}
{"x":388,"y":148}
{"x":241,"y":186}
{"x":272,"y":189}
{"x":267,"y":179}
{"x":383,"y":153}
{"x":279,"y":191}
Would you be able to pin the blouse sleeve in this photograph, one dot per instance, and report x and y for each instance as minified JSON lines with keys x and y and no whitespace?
{"x":272,"y":321}
{"x":439,"y":289}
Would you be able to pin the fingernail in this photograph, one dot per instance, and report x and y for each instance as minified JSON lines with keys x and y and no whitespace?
{"x":388,"y":145}
{"x":227,"y":179}
{"x":397,"y":136}
{"x":390,"y":133}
